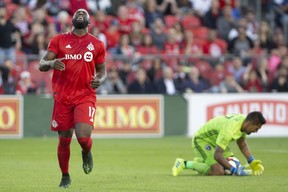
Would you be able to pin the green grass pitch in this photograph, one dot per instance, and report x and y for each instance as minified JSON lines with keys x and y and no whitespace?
{"x":136,"y":165}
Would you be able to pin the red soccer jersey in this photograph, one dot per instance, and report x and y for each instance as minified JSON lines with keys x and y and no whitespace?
{"x":80,"y":54}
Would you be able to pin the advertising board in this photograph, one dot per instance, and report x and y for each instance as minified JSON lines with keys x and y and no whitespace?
{"x":202,"y":107}
{"x":129,"y":115}
{"x":11,"y":116}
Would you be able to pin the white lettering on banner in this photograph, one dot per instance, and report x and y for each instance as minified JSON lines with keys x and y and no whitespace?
{"x":275,"y":112}
{"x":236,"y":108}
{"x":217,"y":111}
{"x":280,"y":113}
{"x":233,"y":109}
{"x":274,"y":107}
{"x":267,"y":111}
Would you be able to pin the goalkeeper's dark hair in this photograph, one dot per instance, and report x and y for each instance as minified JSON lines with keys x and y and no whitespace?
{"x":256,"y":117}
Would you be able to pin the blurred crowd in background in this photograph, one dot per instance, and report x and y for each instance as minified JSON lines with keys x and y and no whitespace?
{"x":154,"y":46}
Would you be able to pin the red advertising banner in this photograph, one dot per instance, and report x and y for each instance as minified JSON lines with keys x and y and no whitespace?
{"x":129,"y":115}
{"x":11,"y":123}
{"x":275,"y":111}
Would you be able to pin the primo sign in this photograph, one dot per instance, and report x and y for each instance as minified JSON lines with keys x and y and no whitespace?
{"x":11,"y":123}
{"x":129,"y":116}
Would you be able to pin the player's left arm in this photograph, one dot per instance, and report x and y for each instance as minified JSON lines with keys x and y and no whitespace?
{"x":243,"y":146}
{"x":100,"y":76}
{"x":256,"y":165}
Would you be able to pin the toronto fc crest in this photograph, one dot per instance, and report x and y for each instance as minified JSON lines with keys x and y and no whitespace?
{"x":54,"y":124}
{"x":90,"y":47}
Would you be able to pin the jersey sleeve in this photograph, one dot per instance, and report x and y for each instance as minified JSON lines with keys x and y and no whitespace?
{"x":100,"y":57}
{"x":54,"y":45}
{"x":230,"y":132}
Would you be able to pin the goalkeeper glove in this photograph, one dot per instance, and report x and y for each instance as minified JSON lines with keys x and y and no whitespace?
{"x":239,"y":170}
{"x":256,"y":165}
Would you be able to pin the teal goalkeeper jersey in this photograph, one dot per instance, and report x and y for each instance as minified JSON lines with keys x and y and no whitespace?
{"x":222,"y":130}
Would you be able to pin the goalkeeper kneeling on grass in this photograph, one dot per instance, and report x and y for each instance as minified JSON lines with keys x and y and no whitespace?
{"x":211,"y":146}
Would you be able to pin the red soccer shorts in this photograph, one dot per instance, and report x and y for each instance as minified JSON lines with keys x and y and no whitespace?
{"x":64,"y":116}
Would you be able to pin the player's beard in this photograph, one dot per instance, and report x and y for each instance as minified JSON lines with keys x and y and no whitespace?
{"x":80,"y":24}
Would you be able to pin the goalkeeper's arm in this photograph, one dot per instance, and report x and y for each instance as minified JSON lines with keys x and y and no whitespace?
{"x":218,"y":156}
{"x":243,"y":146}
{"x":256,"y":165}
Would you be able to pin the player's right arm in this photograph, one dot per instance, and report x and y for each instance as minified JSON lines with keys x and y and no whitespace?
{"x":218,"y":156}
{"x":49,"y":61}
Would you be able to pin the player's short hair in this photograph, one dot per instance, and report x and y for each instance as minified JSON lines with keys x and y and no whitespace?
{"x":256,"y":117}
{"x":82,"y":9}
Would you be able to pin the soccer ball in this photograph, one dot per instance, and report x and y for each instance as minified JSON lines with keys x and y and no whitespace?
{"x":234,"y":162}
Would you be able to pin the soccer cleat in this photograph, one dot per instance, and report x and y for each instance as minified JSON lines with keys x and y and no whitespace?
{"x":65,"y":182}
{"x":178,"y":167}
{"x":87,"y":162}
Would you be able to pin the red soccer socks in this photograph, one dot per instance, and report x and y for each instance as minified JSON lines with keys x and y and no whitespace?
{"x":86,"y":144}
{"x":64,"y":154}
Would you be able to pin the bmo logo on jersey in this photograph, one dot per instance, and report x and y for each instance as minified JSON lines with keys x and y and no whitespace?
{"x":88,"y":56}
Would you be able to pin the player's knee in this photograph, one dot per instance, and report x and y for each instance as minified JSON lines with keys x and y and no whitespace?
{"x":217,"y":169}
{"x":83,"y":130}
{"x":64,"y":142}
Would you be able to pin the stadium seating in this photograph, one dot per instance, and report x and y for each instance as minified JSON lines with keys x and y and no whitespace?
{"x":186,"y":19}
{"x":170,"y":20}
{"x":37,"y":76}
{"x":200,"y":32}
{"x":190,"y":22}
{"x":204,"y":68}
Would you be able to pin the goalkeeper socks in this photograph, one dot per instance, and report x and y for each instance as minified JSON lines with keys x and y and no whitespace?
{"x":86,"y":144}
{"x":202,"y":168}
{"x":63,"y":153}
{"x":189,"y":164}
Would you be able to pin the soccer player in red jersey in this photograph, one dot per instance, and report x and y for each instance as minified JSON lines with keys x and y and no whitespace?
{"x":78,"y":60}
